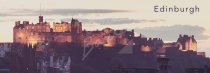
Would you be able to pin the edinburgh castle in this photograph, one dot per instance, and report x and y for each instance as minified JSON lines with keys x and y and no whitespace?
{"x":27,"y":33}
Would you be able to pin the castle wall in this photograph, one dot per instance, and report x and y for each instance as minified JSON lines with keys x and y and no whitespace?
{"x":61,"y":37}
{"x":61,"y":27}
{"x":105,"y":37}
{"x":110,"y":41}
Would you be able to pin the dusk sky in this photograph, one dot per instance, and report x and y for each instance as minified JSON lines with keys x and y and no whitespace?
{"x":116,"y":14}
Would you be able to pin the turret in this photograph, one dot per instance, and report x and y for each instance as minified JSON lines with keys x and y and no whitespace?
{"x":192,"y":36}
{"x":76,"y":26}
{"x":180,"y":36}
{"x":40,"y":19}
{"x":17,"y":23}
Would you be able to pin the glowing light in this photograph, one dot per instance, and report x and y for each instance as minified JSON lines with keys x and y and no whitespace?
{"x":20,"y":35}
{"x":32,"y":41}
{"x":145,"y":48}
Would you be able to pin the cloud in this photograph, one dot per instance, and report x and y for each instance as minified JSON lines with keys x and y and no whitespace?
{"x":63,"y":12}
{"x":49,"y":19}
{"x":6,"y":14}
{"x":171,"y":33}
{"x":4,"y":20}
{"x":81,"y":11}
{"x":113,"y":21}
{"x":1,"y":20}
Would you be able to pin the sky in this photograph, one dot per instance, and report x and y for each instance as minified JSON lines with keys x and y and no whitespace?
{"x":117,"y":14}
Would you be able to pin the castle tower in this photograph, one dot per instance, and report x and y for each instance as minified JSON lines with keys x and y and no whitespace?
{"x":40,"y":19}
{"x":76,"y":26}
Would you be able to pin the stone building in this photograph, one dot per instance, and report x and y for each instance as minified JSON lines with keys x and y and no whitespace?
{"x":27,"y":33}
{"x":186,"y":43}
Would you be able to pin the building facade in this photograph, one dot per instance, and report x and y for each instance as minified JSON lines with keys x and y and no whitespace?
{"x":186,"y":43}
